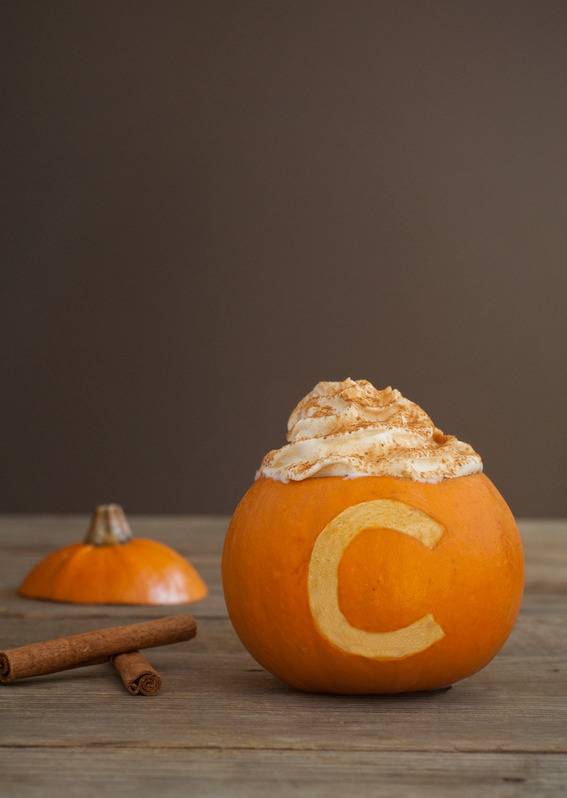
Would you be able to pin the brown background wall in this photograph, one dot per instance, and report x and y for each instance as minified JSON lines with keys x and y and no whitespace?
{"x":210,"y":206}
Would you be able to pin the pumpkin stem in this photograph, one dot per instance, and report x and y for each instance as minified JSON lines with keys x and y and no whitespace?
{"x":108,"y":526}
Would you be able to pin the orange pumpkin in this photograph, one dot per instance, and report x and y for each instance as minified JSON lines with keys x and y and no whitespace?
{"x":112,"y":567}
{"x":375,"y":584}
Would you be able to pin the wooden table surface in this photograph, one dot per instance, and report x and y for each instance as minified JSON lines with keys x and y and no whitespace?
{"x":222,"y":726}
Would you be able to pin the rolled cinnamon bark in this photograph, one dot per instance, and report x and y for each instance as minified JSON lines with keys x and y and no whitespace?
{"x":137,"y":674}
{"x":90,"y":648}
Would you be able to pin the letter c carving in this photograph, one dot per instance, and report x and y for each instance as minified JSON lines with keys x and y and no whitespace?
{"x":322,"y":580}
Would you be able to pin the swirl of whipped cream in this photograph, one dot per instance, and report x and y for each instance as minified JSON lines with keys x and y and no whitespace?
{"x":352,"y":429}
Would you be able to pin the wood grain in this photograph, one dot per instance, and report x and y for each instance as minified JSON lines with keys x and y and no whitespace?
{"x":229,"y":728}
{"x":30,"y":773}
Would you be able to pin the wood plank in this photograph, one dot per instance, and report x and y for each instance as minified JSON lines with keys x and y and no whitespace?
{"x":539,"y":631}
{"x":24,"y":539}
{"x":35,"y":773}
{"x":215,"y":695}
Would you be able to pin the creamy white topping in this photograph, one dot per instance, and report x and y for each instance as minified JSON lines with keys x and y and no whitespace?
{"x":352,"y":429}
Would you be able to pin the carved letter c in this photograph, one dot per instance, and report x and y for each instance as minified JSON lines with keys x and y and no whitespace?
{"x":327,"y":552}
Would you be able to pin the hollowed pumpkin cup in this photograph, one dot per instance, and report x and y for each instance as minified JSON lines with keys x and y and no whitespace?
{"x":373,"y":585}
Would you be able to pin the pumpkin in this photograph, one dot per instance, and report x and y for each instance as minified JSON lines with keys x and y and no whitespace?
{"x":373,"y":585}
{"x":112,"y":567}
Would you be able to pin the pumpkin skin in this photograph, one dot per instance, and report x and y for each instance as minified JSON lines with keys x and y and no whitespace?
{"x":116,"y":569}
{"x":469,"y":582}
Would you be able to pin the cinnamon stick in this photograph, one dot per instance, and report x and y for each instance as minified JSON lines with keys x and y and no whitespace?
{"x":89,"y":648}
{"x":137,"y":674}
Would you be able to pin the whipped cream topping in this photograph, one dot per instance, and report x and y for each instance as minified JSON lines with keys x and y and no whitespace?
{"x":352,"y":429}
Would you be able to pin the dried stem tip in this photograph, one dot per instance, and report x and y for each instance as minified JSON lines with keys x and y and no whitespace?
{"x":108,"y":526}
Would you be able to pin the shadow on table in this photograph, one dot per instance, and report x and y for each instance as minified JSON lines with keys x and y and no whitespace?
{"x":255,"y":679}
